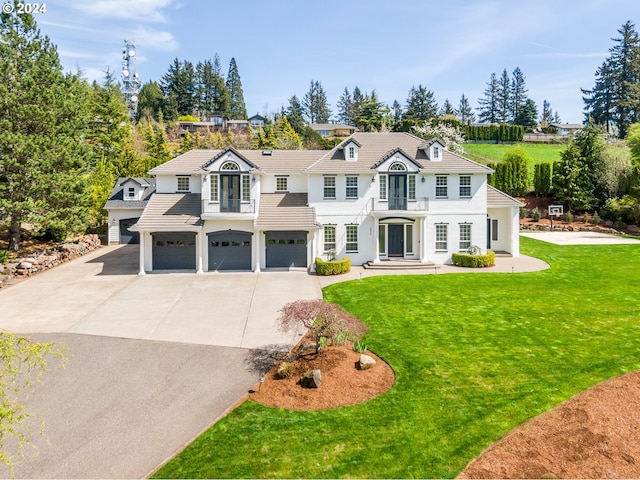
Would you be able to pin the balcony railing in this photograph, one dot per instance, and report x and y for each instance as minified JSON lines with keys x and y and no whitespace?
{"x":229,"y":206}
{"x":400,"y":203}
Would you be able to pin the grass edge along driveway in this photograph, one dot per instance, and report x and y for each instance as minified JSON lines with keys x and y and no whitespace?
{"x":475,"y":355}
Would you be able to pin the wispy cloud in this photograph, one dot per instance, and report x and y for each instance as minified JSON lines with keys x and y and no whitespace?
{"x":569,"y":55}
{"x":154,"y":39}
{"x":140,"y":10}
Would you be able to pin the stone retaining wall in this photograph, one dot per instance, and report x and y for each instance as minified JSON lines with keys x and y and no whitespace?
{"x":46,"y":259}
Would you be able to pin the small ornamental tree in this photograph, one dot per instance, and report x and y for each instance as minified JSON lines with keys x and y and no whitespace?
{"x":322,"y":319}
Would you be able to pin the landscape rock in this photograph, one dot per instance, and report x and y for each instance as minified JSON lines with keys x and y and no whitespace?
{"x":365,"y":362}
{"x":312,"y":379}
{"x":633,"y":229}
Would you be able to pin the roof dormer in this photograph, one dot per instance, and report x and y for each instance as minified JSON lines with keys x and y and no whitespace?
{"x":350,"y":150}
{"x":433,"y":149}
{"x":133,"y":188}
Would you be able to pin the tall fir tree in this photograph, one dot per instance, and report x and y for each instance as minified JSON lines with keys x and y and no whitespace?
{"x":396,"y":111}
{"x":421,"y":104}
{"x":527,"y":115}
{"x":211,"y":92}
{"x":615,"y":97}
{"x":518,"y":96}
{"x":44,"y":155}
{"x":464,"y":111}
{"x":237,"y":107}
{"x":447,"y":109}
{"x":504,"y":98}
{"x":295,"y":115}
{"x":150,"y":101}
{"x":315,"y":104}
{"x":488,"y":109}
{"x":179,"y":88}
{"x":345,"y":108}
{"x":373,"y":114}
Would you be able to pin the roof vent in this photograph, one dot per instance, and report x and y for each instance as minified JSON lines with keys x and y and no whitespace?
{"x":266,"y":152}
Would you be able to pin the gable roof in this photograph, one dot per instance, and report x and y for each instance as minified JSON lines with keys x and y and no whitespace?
{"x":285,"y":211}
{"x":497,"y":198}
{"x":224,"y":152}
{"x":374,"y":147}
{"x":116,"y":197}
{"x":168,"y":212}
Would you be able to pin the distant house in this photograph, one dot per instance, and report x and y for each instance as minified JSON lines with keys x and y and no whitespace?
{"x":126,"y":203}
{"x":567,"y":128}
{"x":330,"y":130}
{"x":257,"y":121}
{"x":213,"y":122}
{"x":374,"y":197}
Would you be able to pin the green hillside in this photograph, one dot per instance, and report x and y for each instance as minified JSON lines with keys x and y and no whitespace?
{"x":494,"y":152}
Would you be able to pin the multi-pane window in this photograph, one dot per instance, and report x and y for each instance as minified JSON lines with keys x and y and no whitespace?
{"x":383,"y":187}
{"x":465,"y":186}
{"x":213,"y":187}
{"x":436,"y":152}
{"x":131,"y":192}
{"x":246,"y":188}
{"x":441,"y":237}
{"x":352,"y":187}
{"x":465,"y":236}
{"x":329,"y":187}
{"x":441,"y":187}
{"x":411,"y":188}
{"x":183,"y":184}
{"x":281,"y":184}
{"x":352,"y":238}
{"x":352,"y":152}
{"x":329,"y":237}
{"x":230,"y":166}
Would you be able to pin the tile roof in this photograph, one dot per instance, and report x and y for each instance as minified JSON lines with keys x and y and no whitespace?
{"x":497,"y":198}
{"x":288,"y":211}
{"x":116,"y":197}
{"x":171,"y":212}
{"x":374,"y":147}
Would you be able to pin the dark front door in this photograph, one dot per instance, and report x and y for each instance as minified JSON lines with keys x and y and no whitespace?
{"x":230,"y":193}
{"x":396,"y":240}
{"x":397,"y":192}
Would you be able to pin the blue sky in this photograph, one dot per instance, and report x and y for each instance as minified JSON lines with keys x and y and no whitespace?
{"x":388,"y":45}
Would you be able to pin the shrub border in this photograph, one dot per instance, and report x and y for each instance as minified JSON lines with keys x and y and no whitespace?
{"x":474,"y":261}
{"x":334,"y":267}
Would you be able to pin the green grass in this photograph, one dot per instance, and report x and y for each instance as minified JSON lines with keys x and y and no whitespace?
{"x":475,"y":355}
{"x":494,"y":152}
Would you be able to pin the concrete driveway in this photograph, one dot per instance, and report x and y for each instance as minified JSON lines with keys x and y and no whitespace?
{"x":153,"y":360}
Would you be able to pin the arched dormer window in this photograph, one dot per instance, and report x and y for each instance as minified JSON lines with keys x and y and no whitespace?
{"x":233,"y":166}
{"x":397,"y":167}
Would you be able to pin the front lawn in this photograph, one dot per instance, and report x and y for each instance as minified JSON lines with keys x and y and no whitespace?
{"x":475,"y":355}
{"x":495,"y":152}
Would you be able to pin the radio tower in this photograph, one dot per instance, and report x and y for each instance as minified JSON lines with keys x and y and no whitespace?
{"x":130,"y":81}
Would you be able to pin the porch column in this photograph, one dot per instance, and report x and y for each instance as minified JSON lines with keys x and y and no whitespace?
{"x":423,"y":241}
{"x":376,"y":240}
{"x":141,"y":254}
{"x":200,"y":236}
{"x":256,"y":250}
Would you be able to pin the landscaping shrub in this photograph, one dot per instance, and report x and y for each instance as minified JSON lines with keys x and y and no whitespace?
{"x":284,"y":370}
{"x":4,"y":256}
{"x":333,"y":268}
{"x":542,"y":179}
{"x":569,"y":217}
{"x":359,"y":346}
{"x":474,"y":261}
{"x":535,"y":215}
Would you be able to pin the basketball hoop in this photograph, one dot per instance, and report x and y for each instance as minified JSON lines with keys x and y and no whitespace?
{"x":555,"y":211}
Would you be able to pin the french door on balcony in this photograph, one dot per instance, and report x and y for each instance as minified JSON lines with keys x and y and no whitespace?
{"x":397,"y":192}
{"x":230,"y":193}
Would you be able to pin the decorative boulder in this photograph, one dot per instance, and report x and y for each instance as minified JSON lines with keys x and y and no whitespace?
{"x":365,"y":362}
{"x":312,"y":379}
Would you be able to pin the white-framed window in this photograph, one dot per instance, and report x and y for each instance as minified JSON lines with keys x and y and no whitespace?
{"x":382,"y":191}
{"x":282,"y":184}
{"x":329,"y":187}
{"x":183,"y":184}
{"x":382,"y":239}
{"x":411,"y":187}
{"x":441,"y":236}
{"x":441,"y":186}
{"x":230,"y":166}
{"x":246,"y":188}
{"x":436,"y":152}
{"x":494,"y":230}
{"x":408,"y":235}
{"x":213,"y":187}
{"x":352,"y":152}
{"x":397,"y":167}
{"x":329,"y":237}
{"x":352,"y":238}
{"x":465,"y":186}
{"x":131,"y":192}
{"x":352,"y":187}
{"x":465,"y":236}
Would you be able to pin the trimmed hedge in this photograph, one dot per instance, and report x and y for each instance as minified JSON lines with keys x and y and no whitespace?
{"x":474,"y":261}
{"x":333,"y":268}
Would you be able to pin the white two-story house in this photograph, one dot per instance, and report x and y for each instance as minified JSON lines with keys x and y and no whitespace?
{"x":375,"y":197}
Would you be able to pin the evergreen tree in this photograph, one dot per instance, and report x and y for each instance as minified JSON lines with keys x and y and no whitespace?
{"x":488,"y":110}
{"x":358,"y":98}
{"x":518,"y":97}
{"x":286,"y":136}
{"x":447,"y":109}
{"x":504,"y":98}
{"x":43,"y":151}
{"x":527,"y":115}
{"x":464,"y":111}
{"x":179,"y":87}
{"x":615,"y":97}
{"x":150,"y":101}
{"x":237,"y":107}
{"x":396,"y":110}
{"x":421,"y":104}
{"x":373,"y":114}
{"x":295,"y":115}
{"x":315,"y":104}
{"x":345,"y":108}
{"x":211,"y":92}
{"x":547,"y":114}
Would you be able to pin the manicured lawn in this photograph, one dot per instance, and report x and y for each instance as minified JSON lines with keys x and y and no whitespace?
{"x":492,"y":152}
{"x":475,"y":355}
